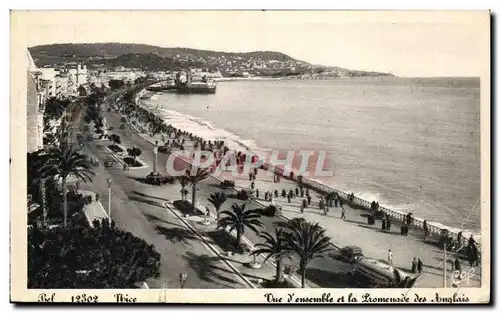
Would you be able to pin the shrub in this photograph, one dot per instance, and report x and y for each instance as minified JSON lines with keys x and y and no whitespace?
{"x":82,"y":257}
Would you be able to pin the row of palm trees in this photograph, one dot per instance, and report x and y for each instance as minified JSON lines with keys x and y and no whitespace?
{"x":298,"y":237}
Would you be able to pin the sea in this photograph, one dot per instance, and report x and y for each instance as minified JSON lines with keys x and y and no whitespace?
{"x":412,"y":144}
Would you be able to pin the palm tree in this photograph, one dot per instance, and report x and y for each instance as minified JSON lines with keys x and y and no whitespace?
{"x":308,"y":241}
{"x":194,"y":179}
{"x":239,"y":219}
{"x":407,"y":282}
{"x":183,"y":180}
{"x":217,"y":199}
{"x":64,"y":161}
{"x":275,"y":247}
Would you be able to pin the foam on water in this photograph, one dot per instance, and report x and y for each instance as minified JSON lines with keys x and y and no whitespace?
{"x":201,"y":128}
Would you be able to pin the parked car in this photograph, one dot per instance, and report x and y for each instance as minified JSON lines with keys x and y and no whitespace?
{"x":158,"y":179}
{"x":109,"y":162}
{"x":351,"y":253}
{"x":228,"y":183}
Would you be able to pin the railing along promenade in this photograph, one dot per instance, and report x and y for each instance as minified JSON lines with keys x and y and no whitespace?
{"x":434,"y":230}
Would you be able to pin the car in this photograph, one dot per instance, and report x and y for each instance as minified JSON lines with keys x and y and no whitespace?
{"x":351,"y":253}
{"x":227,"y":183}
{"x":109,"y":162}
{"x":158,"y":179}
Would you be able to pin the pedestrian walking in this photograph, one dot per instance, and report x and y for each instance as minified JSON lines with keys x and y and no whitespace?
{"x":257,"y":193}
{"x":97,"y":197}
{"x":303,"y":206}
{"x":296,"y":191}
{"x":308,"y":200}
{"x":302,"y":192}
{"x":322,"y":205}
{"x":336,"y":202}
{"x":289,"y":198}
{"x":342,"y":214}
{"x":276,"y":193}
{"x":307,"y":193}
{"x":389,"y":257}
{"x":283,"y":193}
{"x":420,"y":264}
{"x":388,"y":224}
{"x":426,"y":229}
{"x":414,"y":265}
{"x":384,"y":224}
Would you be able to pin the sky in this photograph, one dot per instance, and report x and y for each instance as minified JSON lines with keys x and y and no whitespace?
{"x":416,"y":44}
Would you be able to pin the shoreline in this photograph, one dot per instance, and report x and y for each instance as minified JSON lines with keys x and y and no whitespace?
{"x":435,"y":228}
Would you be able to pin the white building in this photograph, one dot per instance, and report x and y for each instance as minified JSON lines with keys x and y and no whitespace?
{"x":36,"y":96}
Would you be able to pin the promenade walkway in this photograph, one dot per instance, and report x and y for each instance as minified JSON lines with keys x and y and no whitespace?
{"x":354,"y":230}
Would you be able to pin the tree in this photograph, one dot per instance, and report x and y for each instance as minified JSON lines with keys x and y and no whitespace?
{"x":62,"y":162}
{"x":134,"y":152}
{"x":308,"y":241}
{"x":239,"y":219}
{"x":115,"y":139}
{"x":82,"y":91}
{"x":194,"y":178}
{"x":84,"y":257}
{"x":183,"y":180}
{"x":274,"y":247}
{"x":217,"y":199}
{"x":407,"y":282}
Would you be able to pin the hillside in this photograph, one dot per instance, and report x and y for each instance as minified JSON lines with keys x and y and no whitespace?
{"x":148,"y":57}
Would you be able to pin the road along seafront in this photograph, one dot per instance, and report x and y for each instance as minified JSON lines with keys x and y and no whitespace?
{"x":352,"y":231}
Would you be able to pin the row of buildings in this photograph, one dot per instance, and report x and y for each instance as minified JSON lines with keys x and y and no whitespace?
{"x":45,"y":83}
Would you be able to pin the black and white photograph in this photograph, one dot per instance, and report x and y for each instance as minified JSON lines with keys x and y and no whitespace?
{"x":231,"y":156}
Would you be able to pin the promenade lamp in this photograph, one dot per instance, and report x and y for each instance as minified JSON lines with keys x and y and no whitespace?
{"x":155,"y":155}
{"x":206,"y":220}
{"x":182,"y":279}
{"x":445,"y":264}
{"x":109,"y":181}
{"x":254,"y":264}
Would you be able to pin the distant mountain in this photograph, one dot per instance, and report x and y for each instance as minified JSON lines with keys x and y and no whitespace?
{"x":148,"y":57}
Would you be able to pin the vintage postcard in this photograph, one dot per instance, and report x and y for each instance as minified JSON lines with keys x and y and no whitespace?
{"x":250,"y":156}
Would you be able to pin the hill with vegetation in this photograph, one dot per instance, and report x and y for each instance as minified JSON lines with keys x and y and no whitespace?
{"x":151,"y":58}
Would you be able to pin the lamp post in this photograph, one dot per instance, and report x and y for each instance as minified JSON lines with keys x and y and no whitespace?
{"x":445,"y":265}
{"x":109,"y":198}
{"x":272,"y":190}
{"x":155,"y":157}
